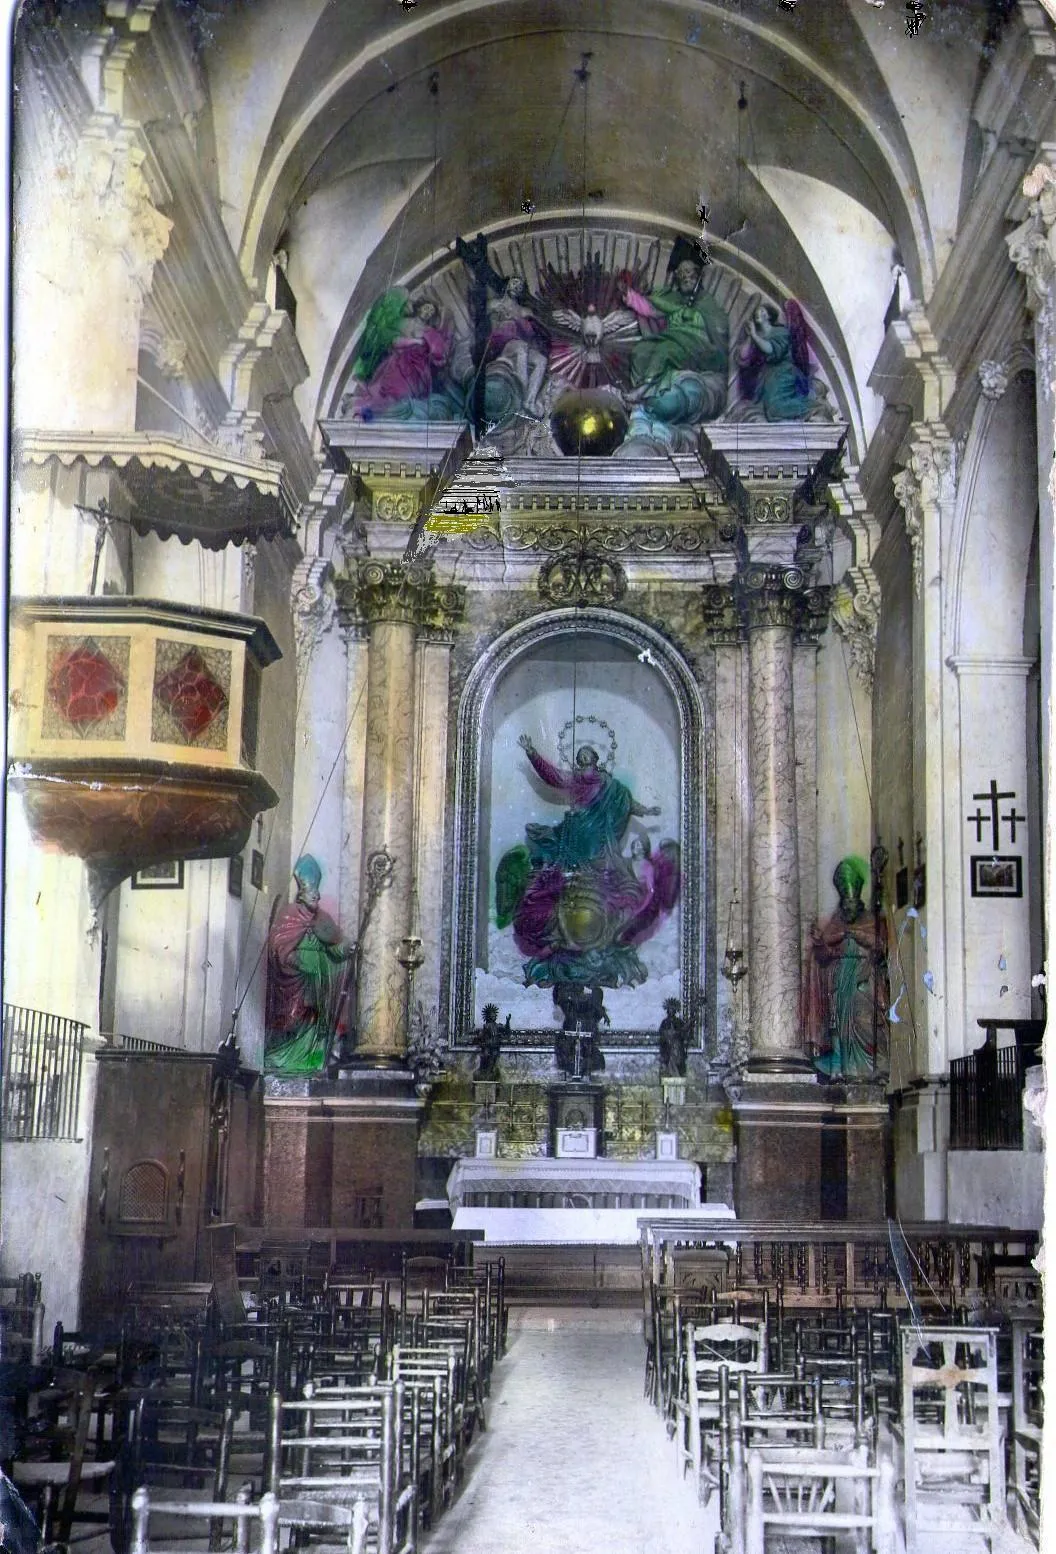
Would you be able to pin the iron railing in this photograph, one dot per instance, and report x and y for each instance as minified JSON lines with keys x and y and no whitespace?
{"x":986,"y":1100}
{"x":41,"y":1075}
{"x":125,"y":1043}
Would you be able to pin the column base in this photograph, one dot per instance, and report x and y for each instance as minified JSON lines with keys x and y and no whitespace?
{"x":773,"y":1065}
{"x":804,"y":1157}
{"x":342,"y":1152}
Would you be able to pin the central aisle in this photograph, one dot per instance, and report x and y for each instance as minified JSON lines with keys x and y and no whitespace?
{"x":574,"y":1458}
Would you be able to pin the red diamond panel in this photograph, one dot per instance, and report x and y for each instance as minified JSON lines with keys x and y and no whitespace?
{"x":85,"y":688}
{"x":190,"y":694}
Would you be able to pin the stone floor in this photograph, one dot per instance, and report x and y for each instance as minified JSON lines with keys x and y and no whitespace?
{"x":574,"y":1458}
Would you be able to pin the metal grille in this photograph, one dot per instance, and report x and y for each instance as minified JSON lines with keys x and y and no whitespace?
{"x":986,"y":1100}
{"x":144,"y":1191}
{"x":41,"y":1074}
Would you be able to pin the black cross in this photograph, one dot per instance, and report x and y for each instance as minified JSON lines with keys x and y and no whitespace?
{"x":1012,"y":820}
{"x":978,"y":820}
{"x":994,"y":798}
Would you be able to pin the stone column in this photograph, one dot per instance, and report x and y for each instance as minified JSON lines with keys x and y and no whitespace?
{"x":394,"y":601}
{"x":771,"y":599}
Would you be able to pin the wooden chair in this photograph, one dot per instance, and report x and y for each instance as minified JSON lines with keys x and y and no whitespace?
{"x":800,"y":1492}
{"x":951,"y":1433}
{"x":56,"y":1479}
{"x":168,"y":1444}
{"x":442,"y":1420}
{"x":1027,"y":1419}
{"x":347,"y":1448}
{"x":710,"y":1347}
{"x":240,"y":1513}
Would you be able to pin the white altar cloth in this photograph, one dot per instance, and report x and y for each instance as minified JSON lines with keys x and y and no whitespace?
{"x":570,"y":1227}
{"x":630,"y":1181}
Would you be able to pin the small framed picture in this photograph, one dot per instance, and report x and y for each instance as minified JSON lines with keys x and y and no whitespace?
{"x":159,"y":876}
{"x":235,"y":867}
{"x":997,"y":876}
{"x":256,"y":869}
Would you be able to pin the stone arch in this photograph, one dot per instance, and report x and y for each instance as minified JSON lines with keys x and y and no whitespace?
{"x":477,"y":692}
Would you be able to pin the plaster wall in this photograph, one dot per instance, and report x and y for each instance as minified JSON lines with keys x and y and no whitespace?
{"x":43,"y":1203}
{"x":316,"y":763}
{"x":995,"y":1187}
{"x":844,"y":741}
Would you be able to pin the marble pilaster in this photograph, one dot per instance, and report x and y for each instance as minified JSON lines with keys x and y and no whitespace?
{"x":732,"y":825}
{"x":357,"y":658}
{"x":926,"y":491}
{"x":774,"y":946}
{"x":433,"y":674}
{"x":1032,"y":249}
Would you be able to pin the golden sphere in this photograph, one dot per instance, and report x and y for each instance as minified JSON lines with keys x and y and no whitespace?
{"x":581,"y":913}
{"x":591,"y":422}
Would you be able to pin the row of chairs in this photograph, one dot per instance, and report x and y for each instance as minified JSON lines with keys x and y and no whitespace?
{"x":788,"y":1417}
{"x":186,"y":1401}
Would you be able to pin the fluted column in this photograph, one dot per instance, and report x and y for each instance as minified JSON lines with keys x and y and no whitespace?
{"x":393,"y":601}
{"x":771,"y":600}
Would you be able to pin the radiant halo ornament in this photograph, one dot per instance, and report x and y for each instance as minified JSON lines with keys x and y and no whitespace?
{"x":586,"y":723}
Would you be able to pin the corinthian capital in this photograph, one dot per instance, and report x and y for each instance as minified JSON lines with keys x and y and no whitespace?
{"x":922,"y":487}
{"x":313,"y":600}
{"x":1032,"y":246}
{"x":772,"y":596}
{"x":390,"y":591}
{"x":113,"y":202}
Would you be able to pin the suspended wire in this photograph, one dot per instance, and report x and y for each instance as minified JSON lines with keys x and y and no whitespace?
{"x":303,"y":843}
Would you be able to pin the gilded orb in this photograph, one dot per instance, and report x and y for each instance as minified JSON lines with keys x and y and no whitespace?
{"x":585,"y":922}
{"x":591,"y":422}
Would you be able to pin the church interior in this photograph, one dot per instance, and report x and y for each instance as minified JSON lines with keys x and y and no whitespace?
{"x":530,"y":649}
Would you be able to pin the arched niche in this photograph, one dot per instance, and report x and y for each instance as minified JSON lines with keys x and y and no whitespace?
{"x":615,"y":669}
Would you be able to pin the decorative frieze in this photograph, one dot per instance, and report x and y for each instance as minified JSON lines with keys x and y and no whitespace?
{"x":554,"y":537}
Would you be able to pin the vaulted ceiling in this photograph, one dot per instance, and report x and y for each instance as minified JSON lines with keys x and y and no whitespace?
{"x":363,"y":136}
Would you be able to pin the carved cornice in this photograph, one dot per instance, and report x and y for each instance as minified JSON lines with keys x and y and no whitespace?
{"x":392,"y":592}
{"x":925,"y":484}
{"x":323,"y":509}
